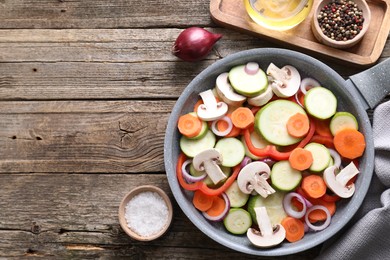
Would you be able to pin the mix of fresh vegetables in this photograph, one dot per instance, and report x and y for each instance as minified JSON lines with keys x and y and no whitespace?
{"x":268,"y":154}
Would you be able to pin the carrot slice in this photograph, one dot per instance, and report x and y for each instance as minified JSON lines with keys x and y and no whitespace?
{"x":242,"y":117}
{"x":297,"y":204}
{"x":320,"y":215}
{"x":222,"y":125}
{"x":197,"y":104}
{"x":300,"y":159}
{"x":202,"y":201}
{"x":298,"y":125}
{"x":217,"y":207}
{"x":189,"y":125}
{"x":314,"y":186}
{"x":349,"y":143}
{"x":330,"y":198}
{"x":295,"y":229}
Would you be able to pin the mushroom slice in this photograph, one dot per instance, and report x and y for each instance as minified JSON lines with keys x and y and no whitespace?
{"x":211,"y":110}
{"x":263,"y":98}
{"x":226,"y":92}
{"x":209,"y":161}
{"x":253,"y":177}
{"x":338,"y":183}
{"x":285,"y":81}
{"x":267,"y":236}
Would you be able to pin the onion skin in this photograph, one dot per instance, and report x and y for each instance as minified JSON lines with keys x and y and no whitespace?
{"x":194,"y":44}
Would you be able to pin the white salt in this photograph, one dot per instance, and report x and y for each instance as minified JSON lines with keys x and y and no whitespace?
{"x":146,"y":213}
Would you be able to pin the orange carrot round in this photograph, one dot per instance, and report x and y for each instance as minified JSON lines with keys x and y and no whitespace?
{"x":295,"y":229}
{"x":298,"y":125}
{"x":314,"y":186}
{"x":197,"y":104}
{"x":242,"y":117}
{"x":201,"y":201}
{"x":189,"y":125}
{"x":218,"y":206}
{"x":319,"y":215}
{"x":349,"y":143}
{"x":300,"y":159}
{"x":222,"y":125}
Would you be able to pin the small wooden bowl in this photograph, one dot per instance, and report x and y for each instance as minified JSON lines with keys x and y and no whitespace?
{"x":128,"y":197}
{"x":321,"y":37}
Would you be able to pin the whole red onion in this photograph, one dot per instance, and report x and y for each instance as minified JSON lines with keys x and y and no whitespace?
{"x":194,"y":43}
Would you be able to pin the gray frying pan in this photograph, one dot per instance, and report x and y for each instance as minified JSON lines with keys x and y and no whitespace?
{"x":357,"y":94}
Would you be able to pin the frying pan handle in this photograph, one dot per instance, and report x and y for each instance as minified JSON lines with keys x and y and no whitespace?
{"x":374,"y":83}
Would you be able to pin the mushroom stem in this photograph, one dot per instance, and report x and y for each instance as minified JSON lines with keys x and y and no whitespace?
{"x":253,"y":176}
{"x":263,"y":220}
{"x":280,"y":77}
{"x":211,"y":110}
{"x":338,"y":184}
{"x":346,"y":174}
{"x":209,"y":100}
{"x":217,"y":175}
{"x":263,"y":188}
{"x":208,"y":161}
{"x":268,"y":236}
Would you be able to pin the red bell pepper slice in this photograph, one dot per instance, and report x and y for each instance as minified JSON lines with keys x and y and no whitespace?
{"x":270,"y":150}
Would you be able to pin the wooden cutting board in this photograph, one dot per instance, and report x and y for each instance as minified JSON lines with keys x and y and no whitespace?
{"x":232,"y":14}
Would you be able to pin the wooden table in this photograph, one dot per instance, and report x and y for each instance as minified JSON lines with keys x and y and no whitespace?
{"x":86,"y":89}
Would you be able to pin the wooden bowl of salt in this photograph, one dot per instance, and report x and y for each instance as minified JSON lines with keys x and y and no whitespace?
{"x":145,"y":213}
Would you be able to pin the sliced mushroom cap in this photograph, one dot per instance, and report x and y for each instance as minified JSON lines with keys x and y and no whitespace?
{"x":338,"y":183}
{"x":285,"y":81}
{"x":211,"y":110}
{"x":267,"y":236}
{"x":263,"y":98}
{"x":253,"y":177}
{"x":226,"y":92}
{"x":209,"y":161}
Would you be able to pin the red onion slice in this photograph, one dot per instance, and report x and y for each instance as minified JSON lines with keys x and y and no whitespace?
{"x":326,"y":222}
{"x":287,"y":205}
{"x":224,"y":212}
{"x":245,"y":161}
{"x":336,"y":158}
{"x":251,"y":68}
{"x":222,"y":133}
{"x":270,"y":162}
{"x":308,"y":83}
{"x":188,"y":177}
{"x":306,"y":227}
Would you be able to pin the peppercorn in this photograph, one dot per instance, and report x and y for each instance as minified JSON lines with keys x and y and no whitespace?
{"x":341,"y":20}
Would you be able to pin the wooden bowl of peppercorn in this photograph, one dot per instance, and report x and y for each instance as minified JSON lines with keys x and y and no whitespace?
{"x":340,"y":23}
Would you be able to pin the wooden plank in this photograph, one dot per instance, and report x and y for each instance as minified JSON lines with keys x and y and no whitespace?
{"x":105,"y":64}
{"x":95,"y":80}
{"x":75,"y":215}
{"x":103,"y":14}
{"x":121,"y":45}
{"x":60,"y":136}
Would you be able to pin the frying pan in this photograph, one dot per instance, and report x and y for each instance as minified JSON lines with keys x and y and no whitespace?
{"x":357,"y":94}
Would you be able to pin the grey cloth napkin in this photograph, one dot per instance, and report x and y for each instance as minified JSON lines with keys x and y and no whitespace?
{"x":368,"y":236}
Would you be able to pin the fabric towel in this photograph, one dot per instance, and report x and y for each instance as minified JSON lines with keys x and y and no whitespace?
{"x":368,"y":235}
